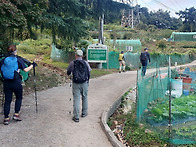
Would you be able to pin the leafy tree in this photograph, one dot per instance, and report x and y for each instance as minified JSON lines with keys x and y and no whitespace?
{"x":109,"y":8}
{"x":112,"y":11}
{"x":189,"y":19}
{"x":33,"y":11}
{"x":161,"y":19}
{"x":11,"y":17}
{"x":19,"y":14}
{"x":62,"y":18}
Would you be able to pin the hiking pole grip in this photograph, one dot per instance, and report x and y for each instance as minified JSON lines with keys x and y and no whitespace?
{"x":35,"y":88}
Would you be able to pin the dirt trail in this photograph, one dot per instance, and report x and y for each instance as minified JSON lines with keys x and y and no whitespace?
{"x":52,"y":126}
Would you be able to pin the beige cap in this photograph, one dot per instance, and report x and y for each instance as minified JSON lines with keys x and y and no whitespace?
{"x":79,"y":53}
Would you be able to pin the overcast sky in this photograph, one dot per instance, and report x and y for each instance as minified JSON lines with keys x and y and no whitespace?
{"x":170,"y":5}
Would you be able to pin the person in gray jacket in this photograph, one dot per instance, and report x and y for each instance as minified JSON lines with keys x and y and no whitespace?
{"x":80,"y":69}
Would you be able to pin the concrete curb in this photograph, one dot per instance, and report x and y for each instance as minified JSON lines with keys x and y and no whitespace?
{"x":104,"y":118}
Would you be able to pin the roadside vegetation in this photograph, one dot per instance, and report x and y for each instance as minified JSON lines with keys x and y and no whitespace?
{"x":130,"y":132}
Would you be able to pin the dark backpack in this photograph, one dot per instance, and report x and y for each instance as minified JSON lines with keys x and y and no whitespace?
{"x":143,"y":56}
{"x":9,"y":69}
{"x":80,"y":72}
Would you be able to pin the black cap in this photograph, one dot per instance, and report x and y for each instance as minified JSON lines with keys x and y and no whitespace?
{"x":146,"y":49}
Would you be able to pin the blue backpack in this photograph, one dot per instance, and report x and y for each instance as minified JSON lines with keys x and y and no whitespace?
{"x":10,"y":67}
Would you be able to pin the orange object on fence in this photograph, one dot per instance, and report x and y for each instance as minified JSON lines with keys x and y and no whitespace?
{"x":186,"y":82}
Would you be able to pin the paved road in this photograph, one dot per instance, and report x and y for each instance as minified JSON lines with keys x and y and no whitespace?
{"x":52,"y":126}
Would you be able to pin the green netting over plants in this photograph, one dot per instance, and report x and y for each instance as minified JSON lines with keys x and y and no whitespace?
{"x":156,"y":91}
{"x":183,"y":36}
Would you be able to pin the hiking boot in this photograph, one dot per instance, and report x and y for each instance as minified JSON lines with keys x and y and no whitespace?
{"x":6,"y":121}
{"x":119,"y":71}
{"x":75,"y":119}
{"x":16,"y":117}
{"x":84,"y":115}
{"x":123,"y":70}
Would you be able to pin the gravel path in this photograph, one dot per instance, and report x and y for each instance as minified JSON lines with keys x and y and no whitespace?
{"x":52,"y":126}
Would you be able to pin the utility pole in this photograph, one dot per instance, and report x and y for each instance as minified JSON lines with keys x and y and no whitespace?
{"x":101,"y":29}
{"x":132,"y":4}
{"x":124,"y":19}
{"x":131,"y":19}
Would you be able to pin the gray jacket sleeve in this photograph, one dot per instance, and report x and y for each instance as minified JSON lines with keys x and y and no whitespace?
{"x":70,"y":68}
{"x":89,"y":68}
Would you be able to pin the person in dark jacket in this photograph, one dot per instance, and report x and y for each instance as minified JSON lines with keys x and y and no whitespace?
{"x":144,"y":58}
{"x":14,"y":85}
{"x":79,"y":88}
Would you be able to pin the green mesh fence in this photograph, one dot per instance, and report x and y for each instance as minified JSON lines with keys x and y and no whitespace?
{"x":162,"y":60}
{"x":112,"y":60}
{"x":61,"y":55}
{"x":153,"y":97}
{"x":132,"y":60}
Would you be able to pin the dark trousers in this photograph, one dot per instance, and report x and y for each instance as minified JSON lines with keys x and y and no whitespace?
{"x":11,"y":87}
{"x":144,"y":70}
{"x":144,"y":66}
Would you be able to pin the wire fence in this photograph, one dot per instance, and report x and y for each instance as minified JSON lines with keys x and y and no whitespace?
{"x":168,"y":105}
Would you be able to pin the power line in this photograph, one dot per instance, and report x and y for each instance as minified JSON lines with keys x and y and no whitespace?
{"x":148,"y":5}
{"x":165,"y":5}
{"x":178,"y":5}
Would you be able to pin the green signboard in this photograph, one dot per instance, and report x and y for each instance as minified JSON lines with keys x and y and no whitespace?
{"x":97,"y":53}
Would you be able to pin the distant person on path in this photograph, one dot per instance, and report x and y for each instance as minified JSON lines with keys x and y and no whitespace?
{"x":144,"y":57}
{"x":10,"y":67}
{"x":121,"y":60}
{"x":80,"y":70}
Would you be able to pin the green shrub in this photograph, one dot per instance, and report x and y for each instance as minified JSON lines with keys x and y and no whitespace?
{"x":94,"y":35}
{"x":128,"y":35}
{"x":115,"y":35}
{"x":37,"y":47}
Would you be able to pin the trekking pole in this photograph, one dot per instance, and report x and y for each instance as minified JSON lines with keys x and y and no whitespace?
{"x":70,"y":84}
{"x":35,"y":87}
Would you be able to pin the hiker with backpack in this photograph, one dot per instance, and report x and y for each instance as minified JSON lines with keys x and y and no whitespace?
{"x":121,"y":60}
{"x":12,"y":82}
{"x":80,"y":70}
{"x":144,"y":58}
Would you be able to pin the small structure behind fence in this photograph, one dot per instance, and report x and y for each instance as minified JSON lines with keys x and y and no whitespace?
{"x":183,"y":36}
